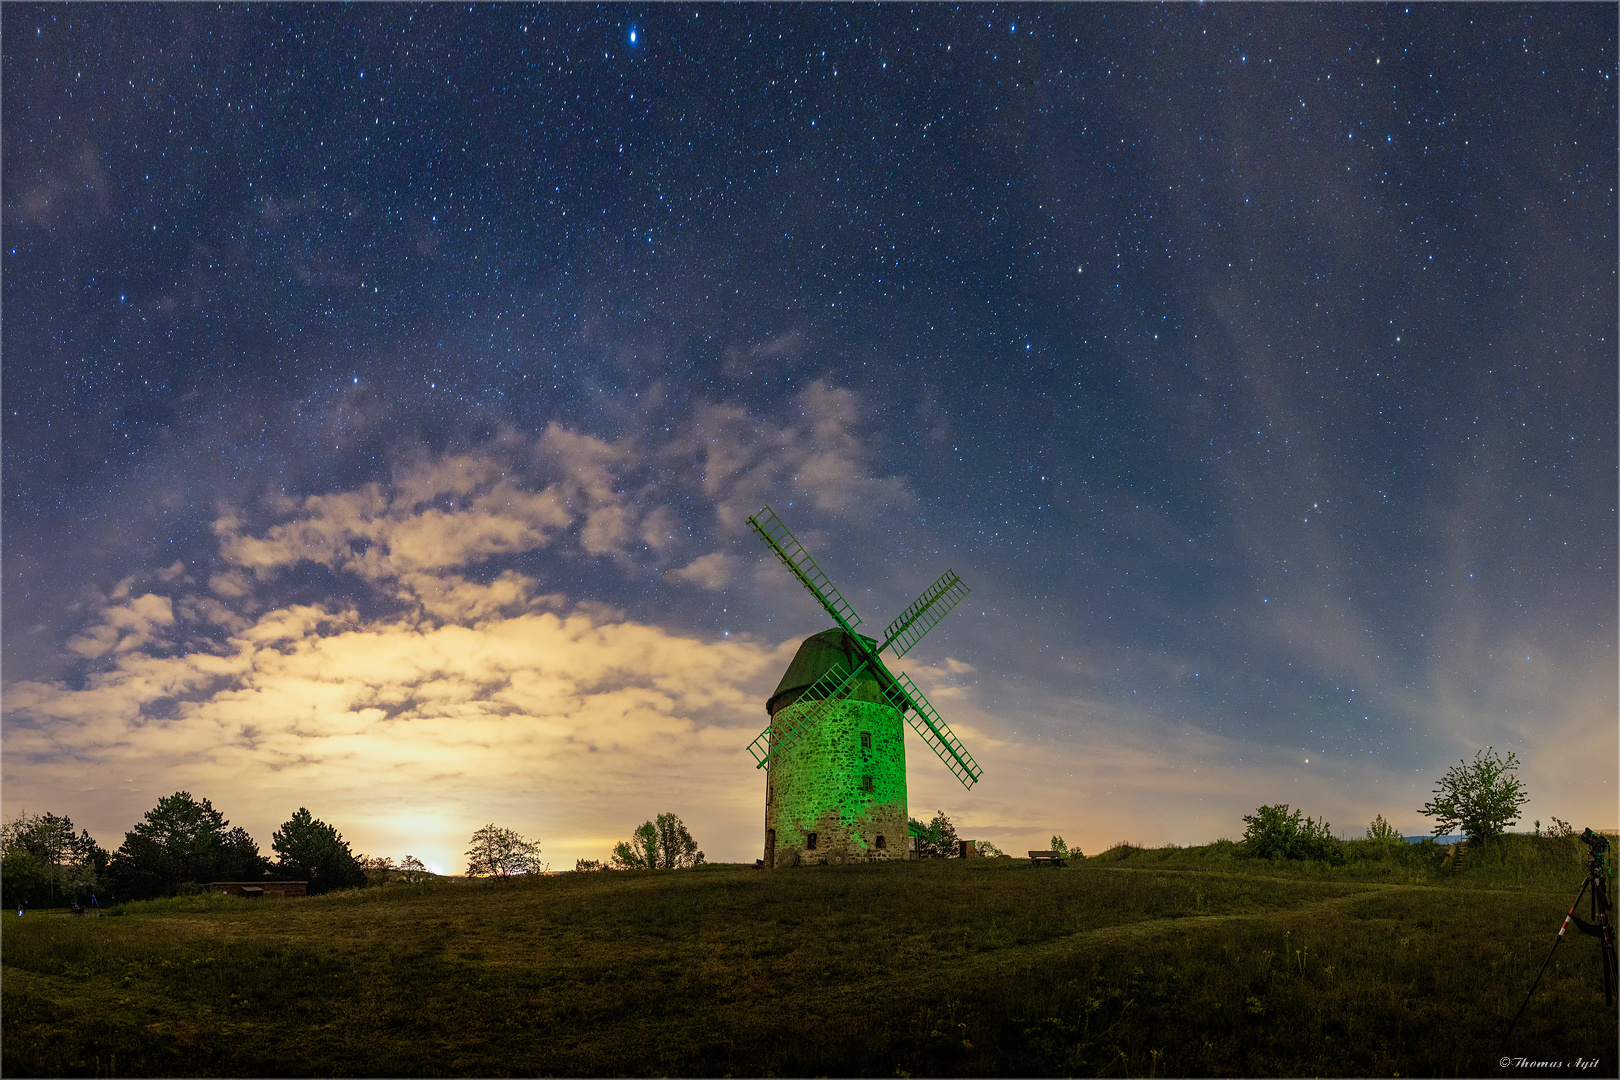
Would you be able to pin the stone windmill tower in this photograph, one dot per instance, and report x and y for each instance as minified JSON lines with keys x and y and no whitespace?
{"x":835,"y":751}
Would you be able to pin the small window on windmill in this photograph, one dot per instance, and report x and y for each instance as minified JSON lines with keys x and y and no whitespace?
{"x":810,"y":841}
{"x":866,"y":783}
{"x":866,"y":740}
{"x":881,"y":843}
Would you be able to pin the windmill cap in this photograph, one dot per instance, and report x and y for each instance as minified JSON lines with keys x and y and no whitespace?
{"x":817,"y":655}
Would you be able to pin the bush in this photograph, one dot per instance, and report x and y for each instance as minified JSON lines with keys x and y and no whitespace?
{"x":1383,"y":832}
{"x":1275,"y":832}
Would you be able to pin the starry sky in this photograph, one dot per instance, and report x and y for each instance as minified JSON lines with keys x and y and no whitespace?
{"x":386,"y":389}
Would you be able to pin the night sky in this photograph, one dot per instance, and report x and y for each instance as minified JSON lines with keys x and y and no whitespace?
{"x":386,"y":389}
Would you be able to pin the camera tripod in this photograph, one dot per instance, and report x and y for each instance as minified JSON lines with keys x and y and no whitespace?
{"x":1597,"y":879}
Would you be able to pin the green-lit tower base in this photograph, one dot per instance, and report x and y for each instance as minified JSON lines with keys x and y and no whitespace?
{"x":838,"y":793}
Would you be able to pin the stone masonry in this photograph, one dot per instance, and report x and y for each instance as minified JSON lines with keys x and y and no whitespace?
{"x":843,"y":783}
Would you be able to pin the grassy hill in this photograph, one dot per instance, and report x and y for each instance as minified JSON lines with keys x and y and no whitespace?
{"x":1170,"y":962}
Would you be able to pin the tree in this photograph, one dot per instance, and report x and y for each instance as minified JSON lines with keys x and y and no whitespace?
{"x":309,"y":849}
{"x":640,"y":852}
{"x":498,"y":852}
{"x":413,"y":869}
{"x":183,"y":840}
{"x":43,"y":862}
{"x":661,"y":844}
{"x":937,"y":839}
{"x":1484,"y":797}
{"x":1275,"y":832}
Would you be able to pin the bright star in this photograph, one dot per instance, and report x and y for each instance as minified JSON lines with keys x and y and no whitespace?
{"x":632,"y":35}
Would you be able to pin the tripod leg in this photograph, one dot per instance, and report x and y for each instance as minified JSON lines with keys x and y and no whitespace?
{"x":1556,"y":942}
{"x":1600,"y":916}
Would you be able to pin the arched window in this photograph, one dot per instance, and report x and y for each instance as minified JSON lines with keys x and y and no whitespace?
{"x":810,"y":841}
{"x":881,"y":843}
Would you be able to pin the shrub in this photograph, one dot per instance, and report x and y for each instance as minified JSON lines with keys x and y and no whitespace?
{"x":1383,"y":832}
{"x":1275,"y":832}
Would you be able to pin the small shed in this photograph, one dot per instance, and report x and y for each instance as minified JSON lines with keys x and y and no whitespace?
{"x":256,"y":890}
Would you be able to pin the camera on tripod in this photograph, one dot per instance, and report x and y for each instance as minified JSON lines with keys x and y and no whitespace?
{"x":1600,"y":850}
{"x":1597,"y":880}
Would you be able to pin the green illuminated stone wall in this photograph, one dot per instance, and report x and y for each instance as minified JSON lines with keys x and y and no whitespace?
{"x":816,"y":785}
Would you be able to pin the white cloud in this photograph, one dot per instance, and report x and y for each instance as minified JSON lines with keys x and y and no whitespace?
{"x":712,"y":571}
{"x":473,"y":696}
{"x":126,"y":626}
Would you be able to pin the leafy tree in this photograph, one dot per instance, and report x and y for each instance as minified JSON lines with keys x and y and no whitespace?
{"x":413,"y":869}
{"x":183,"y":840}
{"x":1483,"y":797}
{"x":582,"y":866}
{"x":309,"y":849}
{"x":43,"y":862}
{"x":1062,"y":849}
{"x":1383,"y":831}
{"x":937,"y":839}
{"x":988,"y":850}
{"x":1275,"y":832}
{"x":25,"y":878}
{"x":498,"y":852}
{"x":640,"y":852}
{"x":676,"y":848}
{"x":661,"y":844}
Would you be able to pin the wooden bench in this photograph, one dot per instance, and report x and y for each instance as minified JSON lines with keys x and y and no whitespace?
{"x":1036,"y":858}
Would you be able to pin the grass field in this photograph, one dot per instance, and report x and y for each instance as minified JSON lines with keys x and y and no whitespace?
{"x":1164,"y":962}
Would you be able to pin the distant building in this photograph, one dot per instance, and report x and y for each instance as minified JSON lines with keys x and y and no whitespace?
{"x":256,"y":890}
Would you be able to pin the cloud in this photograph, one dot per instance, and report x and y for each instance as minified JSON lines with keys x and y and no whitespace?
{"x":448,"y":513}
{"x":548,"y":716}
{"x":820,"y":456}
{"x":126,"y":626}
{"x":712,"y":571}
{"x":448,"y":688}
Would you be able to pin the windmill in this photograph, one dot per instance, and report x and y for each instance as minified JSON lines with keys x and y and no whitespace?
{"x":834,"y":752}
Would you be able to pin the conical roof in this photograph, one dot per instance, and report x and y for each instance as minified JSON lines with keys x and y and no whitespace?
{"x":818,"y":654}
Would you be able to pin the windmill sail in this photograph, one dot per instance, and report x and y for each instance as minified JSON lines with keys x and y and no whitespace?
{"x":934,"y":731}
{"x":786,"y":547}
{"x":924,"y":613}
{"x":827,"y":691}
